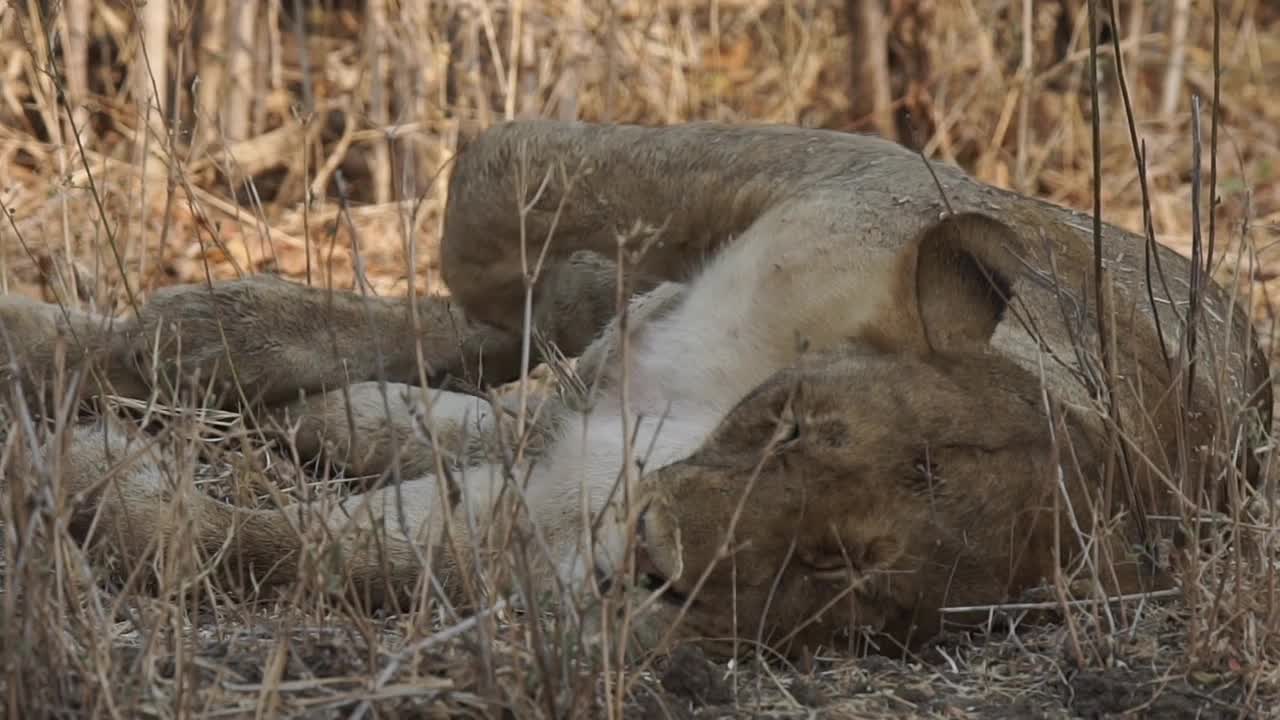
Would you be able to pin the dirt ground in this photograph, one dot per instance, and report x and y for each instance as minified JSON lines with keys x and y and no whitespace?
{"x":323,"y":671}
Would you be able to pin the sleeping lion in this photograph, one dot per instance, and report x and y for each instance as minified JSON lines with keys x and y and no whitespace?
{"x":817,"y":385}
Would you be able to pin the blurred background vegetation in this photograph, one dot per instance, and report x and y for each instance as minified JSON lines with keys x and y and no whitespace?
{"x":159,"y":142}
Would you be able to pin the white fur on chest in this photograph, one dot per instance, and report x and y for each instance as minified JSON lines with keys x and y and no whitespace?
{"x":738,"y":325}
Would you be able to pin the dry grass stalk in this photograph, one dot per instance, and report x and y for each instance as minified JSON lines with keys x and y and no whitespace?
{"x":315,"y":145}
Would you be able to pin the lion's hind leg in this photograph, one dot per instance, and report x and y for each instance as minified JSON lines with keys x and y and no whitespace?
{"x":123,"y":491}
{"x":130,"y":500}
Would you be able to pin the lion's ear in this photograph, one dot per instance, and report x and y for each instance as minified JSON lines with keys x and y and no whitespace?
{"x":958,"y":281}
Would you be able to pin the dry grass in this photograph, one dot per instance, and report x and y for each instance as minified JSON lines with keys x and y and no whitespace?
{"x":358,"y":108}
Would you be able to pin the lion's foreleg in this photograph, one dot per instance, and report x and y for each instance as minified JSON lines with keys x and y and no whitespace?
{"x":45,"y":347}
{"x":266,"y":339}
{"x":374,"y":428}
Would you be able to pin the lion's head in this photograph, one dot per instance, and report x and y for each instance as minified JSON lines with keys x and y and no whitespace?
{"x":870,"y":486}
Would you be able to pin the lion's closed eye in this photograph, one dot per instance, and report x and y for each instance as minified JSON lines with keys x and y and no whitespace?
{"x":826,"y":565}
{"x":833,"y":572}
{"x":833,"y":565}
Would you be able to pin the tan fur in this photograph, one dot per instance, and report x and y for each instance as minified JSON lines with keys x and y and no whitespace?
{"x":887,"y":396}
